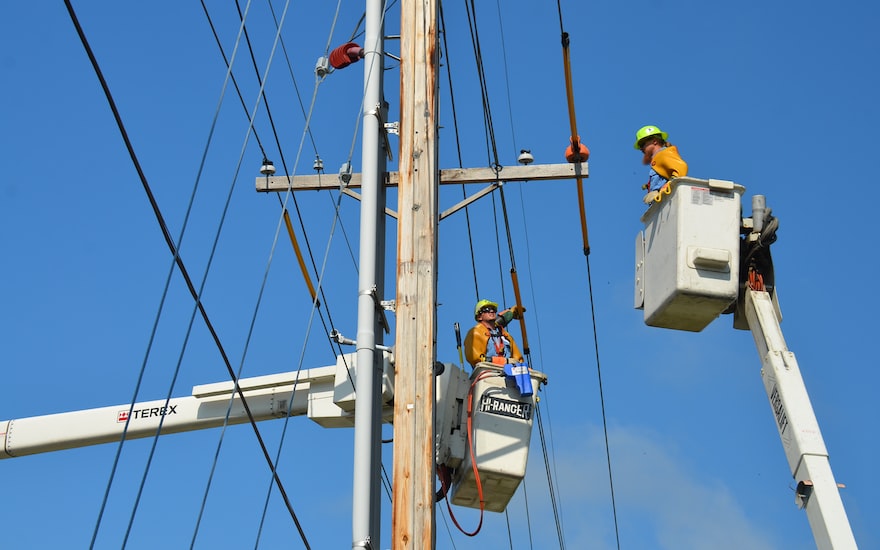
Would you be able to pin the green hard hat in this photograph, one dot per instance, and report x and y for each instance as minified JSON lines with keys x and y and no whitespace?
{"x":646,"y":131}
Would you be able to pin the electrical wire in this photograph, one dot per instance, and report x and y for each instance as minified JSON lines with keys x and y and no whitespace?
{"x":457,"y":141}
{"x":315,"y":302}
{"x":553,"y":500}
{"x":306,"y":133}
{"x":177,"y":260}
{"x":528,"y":518}
{"x":272,"y":123}
{"x":336,"y":219}
{"x":287,"y":417}
{"x":271,"y":119}
{"x":494,"y":161}
{"x":576,"y":148}
{"x":275,"y":479}
{"x":488,"y":126}
{"x":602,"y":403}
{"x":490,"y":139}
{"x":275,"y":133}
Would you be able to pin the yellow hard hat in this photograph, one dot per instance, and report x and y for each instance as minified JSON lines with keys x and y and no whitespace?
{"x":481,"y":304}
{"x":646,"y":131}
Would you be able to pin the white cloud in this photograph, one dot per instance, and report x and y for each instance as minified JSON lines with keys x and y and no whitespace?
{"x":662,"y":501}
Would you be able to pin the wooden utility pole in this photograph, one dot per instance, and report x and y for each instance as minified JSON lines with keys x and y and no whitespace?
{"x":412,"y":523}
{"x":418,"y":181}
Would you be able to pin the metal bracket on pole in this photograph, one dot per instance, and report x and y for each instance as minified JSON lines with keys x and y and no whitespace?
{"x":337,"y":337}
{"x":380,"y":311}
{"x":344,"y":175}
{"x":377,"y":112}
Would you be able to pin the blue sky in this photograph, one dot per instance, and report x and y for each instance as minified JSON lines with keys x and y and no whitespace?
{"x":779,"y":99}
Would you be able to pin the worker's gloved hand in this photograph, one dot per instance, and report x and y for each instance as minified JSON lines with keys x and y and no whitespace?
{"x":650,"y":197}
{"x":505,"y":317}
{"x":517,"y":311}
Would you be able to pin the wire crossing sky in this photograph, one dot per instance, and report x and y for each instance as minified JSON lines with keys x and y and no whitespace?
{"x":779,"y":100}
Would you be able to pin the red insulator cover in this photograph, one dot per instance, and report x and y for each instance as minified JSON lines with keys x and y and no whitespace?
{"x":345,"y":55}
{"x":582,"y":153}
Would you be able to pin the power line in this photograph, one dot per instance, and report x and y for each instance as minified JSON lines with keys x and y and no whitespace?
{"x":178,"y":261}
{"x":495,"y":162}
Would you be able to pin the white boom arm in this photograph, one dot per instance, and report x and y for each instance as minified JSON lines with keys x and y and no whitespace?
{"x":817,"y":491}
{"x":206,"y":408}
{"x":326,"y":394}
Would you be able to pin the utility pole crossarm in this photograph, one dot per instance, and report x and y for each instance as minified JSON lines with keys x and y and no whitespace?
{"x":817,"y":491}
{"x":531,"y":172}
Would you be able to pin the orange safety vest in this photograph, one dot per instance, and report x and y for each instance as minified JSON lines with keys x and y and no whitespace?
{"x":477,"y":340}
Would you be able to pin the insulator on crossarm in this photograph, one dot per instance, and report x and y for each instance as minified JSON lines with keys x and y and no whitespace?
{"x":525,"y":157}
{"x":267,"y":168}
{"x":345,"y":55}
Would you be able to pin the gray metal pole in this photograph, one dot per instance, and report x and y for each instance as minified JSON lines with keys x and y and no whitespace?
{"x":366,"y":513}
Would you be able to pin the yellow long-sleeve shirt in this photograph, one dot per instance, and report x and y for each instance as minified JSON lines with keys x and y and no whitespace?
{"x":477,"y":340}
{"x":669,"y":164}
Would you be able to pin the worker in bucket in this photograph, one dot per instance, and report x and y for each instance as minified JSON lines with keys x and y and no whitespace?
{"x":488,"y":340}
{"x":662,"y":157}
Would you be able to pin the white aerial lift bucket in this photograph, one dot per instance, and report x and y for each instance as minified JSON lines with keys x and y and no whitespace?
{"x":687,"y":257}
{"x":500,"y":431}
